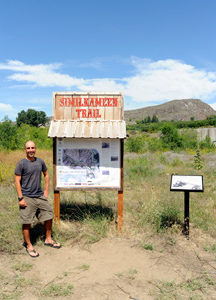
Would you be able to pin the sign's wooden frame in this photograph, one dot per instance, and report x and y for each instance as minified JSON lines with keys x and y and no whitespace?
{"x":120,"y":191}
{"x":109,"y":109}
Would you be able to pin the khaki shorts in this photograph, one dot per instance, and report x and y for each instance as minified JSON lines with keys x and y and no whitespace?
{"x":38,"y":207}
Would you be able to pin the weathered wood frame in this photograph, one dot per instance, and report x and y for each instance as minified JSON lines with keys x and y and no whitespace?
{"x":107,"y":113}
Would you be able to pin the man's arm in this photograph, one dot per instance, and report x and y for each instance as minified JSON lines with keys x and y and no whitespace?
{"x":22,"y":203}
{"x":46,"y":189}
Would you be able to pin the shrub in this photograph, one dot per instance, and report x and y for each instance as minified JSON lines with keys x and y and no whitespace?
{"x":135,"y":144}
{"x":206,"y":143}
{"x":8,"y":135}
{"x":139,"y":167}
{"x":189,"y":139}
{"x":170,"y":137}
{"x":166,"y":217}
{"x":154,"y":144}
{"x":197,"y":160}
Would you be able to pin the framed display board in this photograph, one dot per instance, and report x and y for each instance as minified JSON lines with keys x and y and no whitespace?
{"x":88,"y":163}
{"x":190,"y":183}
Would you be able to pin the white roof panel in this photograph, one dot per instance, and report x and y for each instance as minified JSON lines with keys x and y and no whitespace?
{"x":87,"y":129}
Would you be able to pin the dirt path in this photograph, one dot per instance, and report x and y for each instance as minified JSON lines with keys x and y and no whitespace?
{"x":112,"y":269}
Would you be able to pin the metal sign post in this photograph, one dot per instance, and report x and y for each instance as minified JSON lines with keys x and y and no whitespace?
{"x":186,"y":212}
{"x":186,"y":184}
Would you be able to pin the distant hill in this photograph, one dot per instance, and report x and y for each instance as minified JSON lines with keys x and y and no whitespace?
{"x":173,"y":110}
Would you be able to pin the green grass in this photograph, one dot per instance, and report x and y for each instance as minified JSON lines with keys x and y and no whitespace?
{"x":211,"y":248}
{"x":132,"y":273}
{"x":12,"y":285}
{"x":197,"y":288}
{"x":95,"y":229}
{"x":57,"y":290}
{"x":22,"y":266}
{"x":83,"y":267}
{"x":148,"y":247}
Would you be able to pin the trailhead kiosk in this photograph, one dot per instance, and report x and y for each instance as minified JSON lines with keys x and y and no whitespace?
{"x":88,"y":131}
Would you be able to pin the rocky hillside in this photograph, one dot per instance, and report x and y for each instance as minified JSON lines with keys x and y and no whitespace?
{"x":173,"y":110}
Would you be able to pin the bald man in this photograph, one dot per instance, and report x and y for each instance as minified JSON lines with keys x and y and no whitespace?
{"x":33,"y":201}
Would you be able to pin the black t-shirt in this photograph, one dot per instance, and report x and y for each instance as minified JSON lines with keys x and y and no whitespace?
{"x":30,"y":172}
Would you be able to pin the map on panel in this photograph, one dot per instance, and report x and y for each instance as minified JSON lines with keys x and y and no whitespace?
{"x":88,"y":163}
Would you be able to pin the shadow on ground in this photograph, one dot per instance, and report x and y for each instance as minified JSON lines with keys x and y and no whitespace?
{"x":80,"y":212}
{"x":37,"y":233}
{"x":74,"y":212}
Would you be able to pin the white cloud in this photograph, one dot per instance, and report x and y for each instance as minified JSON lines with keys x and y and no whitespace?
{"x":151,"y":81}
{"x":40,"y":75}
{"x":5,"y":107}
{"x":213,"y":105}
{"x":168,"y":80}
{"x":7,"y":110}
{"x":102,"y":85}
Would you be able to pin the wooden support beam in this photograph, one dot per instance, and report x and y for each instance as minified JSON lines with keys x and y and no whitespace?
{"x":57,"y":206}
{"x":56,"y":193}
{"x":120,"y":192}
{"x":120,"y":210}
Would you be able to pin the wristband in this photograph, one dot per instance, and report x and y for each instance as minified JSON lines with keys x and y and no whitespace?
{"x":20,"y":198}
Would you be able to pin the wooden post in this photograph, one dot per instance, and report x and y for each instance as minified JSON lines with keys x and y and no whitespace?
{"x":56,"y":193}
{"x":186,"y":214}
{"x":57,"y":206}
{"x":120,"y":192}
{"x":120,"y":210}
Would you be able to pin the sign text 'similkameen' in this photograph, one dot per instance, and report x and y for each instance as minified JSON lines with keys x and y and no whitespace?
{"x":94,"y":102}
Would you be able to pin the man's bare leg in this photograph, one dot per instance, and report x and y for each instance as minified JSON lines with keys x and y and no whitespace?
{"x":26,"y":235}
{"x":48,"y":231}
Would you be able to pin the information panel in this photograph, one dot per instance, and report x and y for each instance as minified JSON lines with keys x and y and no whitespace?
{"x":88,"y":163}
{"x":193,"y":183}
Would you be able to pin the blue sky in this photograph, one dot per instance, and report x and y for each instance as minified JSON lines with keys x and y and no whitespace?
{"x":153,"y":51}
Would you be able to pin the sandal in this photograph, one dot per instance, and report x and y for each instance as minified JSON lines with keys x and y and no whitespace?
{"x":30,"y":253}
{"x":53,"y":245}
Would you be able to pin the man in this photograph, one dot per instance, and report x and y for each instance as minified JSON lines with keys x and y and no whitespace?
{"x":32,"y":199}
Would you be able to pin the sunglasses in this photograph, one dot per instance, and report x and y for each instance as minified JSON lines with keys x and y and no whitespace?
{"x":28,"y":148}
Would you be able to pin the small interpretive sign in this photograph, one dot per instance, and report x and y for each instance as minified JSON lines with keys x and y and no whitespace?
{"x":190,"y":183}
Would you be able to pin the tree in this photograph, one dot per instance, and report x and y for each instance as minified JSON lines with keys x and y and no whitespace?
{"x":154,"y":119}
{"x":147,"y":120}
{"x":22,"y":118}
{"x":42,"y":118}
{"x":170,"y":137}
{"x":31,"y":117}
{"x":8,"y":134}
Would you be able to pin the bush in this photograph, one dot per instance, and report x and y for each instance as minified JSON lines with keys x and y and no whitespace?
{"x":13,"y":137}
{"x":189,"y":139}
{"x":170,"y":137}
{"x":8,"y":136}
{"x":135,"y":144}
{"x":166,"y":217}
{"x":154,"y":144}
{"x":206,"y":143}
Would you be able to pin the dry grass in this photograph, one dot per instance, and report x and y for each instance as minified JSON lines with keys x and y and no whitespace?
{"x":149,"y":206}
